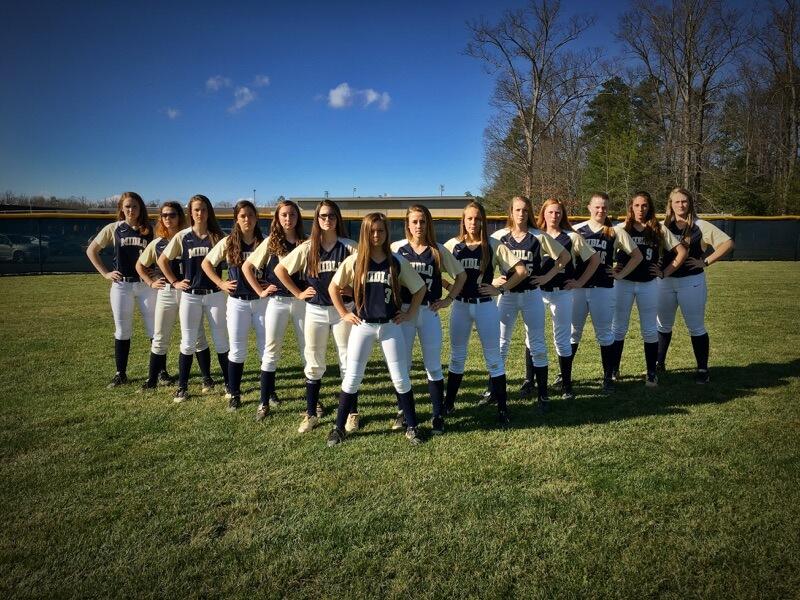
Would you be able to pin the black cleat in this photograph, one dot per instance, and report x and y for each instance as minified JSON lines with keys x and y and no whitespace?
{"x":274,"y":401}
{"x":651,"y":380}
{"x":165,"y":378}
{"x":525,"y":390}
{"x":208,"y":385}
{"x":608,"y":386}
{"x":181,"y":395}
{"x":412,"y":435}
{"x":661,"y":368}
{"x":118,"y":380}
{"x":335,"y":437}
{"x":503,"y":420}
{"x":559,"y":380}
{"x":234,"y":403}
{"x":262,"y":412}
{"x":147,"y":386}
{"x":615,"y":375}
{"x":568,"y":395}
{"x":320,"y":410}
{"x":486,"y":398}
{"x":702,"y":377}
{"x":437,"y":426}
{"x":399,"y":421}
{"x":449,"y":408}
{"x":543,"y":405}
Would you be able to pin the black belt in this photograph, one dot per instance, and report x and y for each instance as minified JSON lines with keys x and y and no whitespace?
{"x":199,"y":292}
{"x":376,"y":321}
{"x":475,"y":300}
{"x":130,"y":279}
{"x":245,"y":297}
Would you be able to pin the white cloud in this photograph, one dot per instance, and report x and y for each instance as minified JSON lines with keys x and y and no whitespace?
{"x":260,"y":81}
{"x":343,"y":96}
{"x":216,"y":83}
{"x":172,"y":113}
{"x":242,"y":96}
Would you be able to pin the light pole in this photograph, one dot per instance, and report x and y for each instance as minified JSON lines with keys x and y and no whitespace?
{"x":326,"y":194}
{"x":354,"y":192}
{"x":441,"y":189}
{"x":254,"y":196}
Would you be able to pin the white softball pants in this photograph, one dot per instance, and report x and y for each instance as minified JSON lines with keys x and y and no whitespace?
{"x":487,"y":321}
{"x":167,"y":302}
{"x":241,"y":315}
{"x":598,"y":302}
{"x":191,"y":311}
{"x":646,"y":295}
{"x":319,"y":321}
{"x":559,"y":302}
{"x":123,"y":294}
{"x":529,"y":303}
{"x":359,"y":347}
{"x":429,"y":327}
{"x":690,"y":293}
{"x":280,"y":309}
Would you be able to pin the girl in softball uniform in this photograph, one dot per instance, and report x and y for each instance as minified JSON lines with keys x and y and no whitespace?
{"x":429,"y":260}
{"x":376,"y":275}
{"x":201,"y":296}
{"x":651,"y":237}
{"x":686,"y":286}
{"x":129,"y":236}
{"x":286,"y":233}
{"x":319,"y":257}
{"x":171,"y":221}
{"x":479,"y":255}
{"x":597,"y":297}
{"x":245,"y":308}
{"x":557,"y":293}
{"x":531,"y":246}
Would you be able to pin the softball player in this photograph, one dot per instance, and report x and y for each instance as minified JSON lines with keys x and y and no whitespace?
{"x":529,"y":245}
{"x":129,"y":235}
{"x":376,"y":274}
{"x":597,"y":297}
{"x":479,"y":254}
{"x":245,"y":308}
{"x":171,"y":221}
{"x":429,"y":259}
{"x":319,"y":257}
{"x":686,"y":286}
{"x":192,"y":245}
{"x":557,"y":293}
{"x":286,"y":232}
{"x":650,"y":237}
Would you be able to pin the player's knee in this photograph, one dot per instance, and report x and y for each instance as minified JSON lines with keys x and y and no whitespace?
{"x":696,"y":330}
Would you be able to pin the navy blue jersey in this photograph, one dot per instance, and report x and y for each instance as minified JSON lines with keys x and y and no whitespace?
{"x":269,"y":271}
{"x":650,"y":256}
{"x":695,"y":248}
{"x":470,"y":259}
{"x":425,"y":266}
{"x":529,"y":251}
{"x":176,"y":265}
{"x":568,"y":272}
{"x":379,"y":301}
{"x":604,"y":246}
{"x":128,"y":244}
{"x":191,"y":250}
{"x":235,"y":273}
{"x":329,"y":261}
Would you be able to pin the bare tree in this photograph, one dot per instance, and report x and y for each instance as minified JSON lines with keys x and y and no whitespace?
{"x":538,"y":80}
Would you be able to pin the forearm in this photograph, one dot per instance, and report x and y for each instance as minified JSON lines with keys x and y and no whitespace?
{"x":208,"y":269}
{"x":144,"y":273}
{"x":457,"y":285}
{"x":249,"y":271}
{"x":282,"y":274}
{"x":336,"y":298}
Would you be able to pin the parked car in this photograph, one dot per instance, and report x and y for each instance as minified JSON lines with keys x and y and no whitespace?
{"x":6,"y":248}
{"x":26,"y":248}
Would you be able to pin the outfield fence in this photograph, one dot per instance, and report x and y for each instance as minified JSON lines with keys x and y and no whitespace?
{"x":56,"y":242}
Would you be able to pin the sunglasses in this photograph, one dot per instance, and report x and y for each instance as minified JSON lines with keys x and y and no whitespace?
{"x":327,"y":216}
{"x":170,"y":215}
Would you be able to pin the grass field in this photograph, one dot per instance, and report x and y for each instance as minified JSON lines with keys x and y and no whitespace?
{"x":678,"y":491}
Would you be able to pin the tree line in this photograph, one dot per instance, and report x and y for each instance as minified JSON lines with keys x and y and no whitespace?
{"x":704,"y":97}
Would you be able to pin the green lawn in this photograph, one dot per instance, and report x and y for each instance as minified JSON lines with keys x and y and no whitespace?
{"x":679,"y":491}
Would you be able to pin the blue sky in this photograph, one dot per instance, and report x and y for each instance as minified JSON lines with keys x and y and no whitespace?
{"x":102,"y":97}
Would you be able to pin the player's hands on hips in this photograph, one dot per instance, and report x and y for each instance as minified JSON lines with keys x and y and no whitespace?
{"x":616,"y":272}
{"x":440,"y":304}
{"x":656,"y":271}
{"x":539,"y":280}
{"x":695,"y":263}
{"x":307,"y":293}
{"x":228,"y":286}
{"x":498,"y":281}
{"x":158,"y":284}
{"x":571,"y":284}
{"x":487,"y":289}
{"x":183,"y":284}
{"x":352,"y":318}
{"x":113,"y":275}
{"x":402,"y":317}
{"x":270,"y":289}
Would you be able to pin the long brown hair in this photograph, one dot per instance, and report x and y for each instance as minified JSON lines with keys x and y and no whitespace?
{"x":162,"y":231}
{"x":276,"y":233}
{"x":652,"y":228}
{"x":233,"y":249}
{"x":486,"y":250}
{"x":608,"y":226}
{"x":563,"y":224}
{"x":143,"y":222}
{"x":316,"y":235}
{"x":363,"y":256}
{"x":528,"y":205}
{"x":430,"y":235}
{"x":690,"y":218}
{"x":215,"y":233}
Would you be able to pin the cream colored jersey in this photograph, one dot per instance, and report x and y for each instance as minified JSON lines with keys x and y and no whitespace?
{"x":533,"y":249}
{"x":425,"y":265}
{"x":470,"y":259}
{"x":329,"y":260}
{"x":698,"y":238}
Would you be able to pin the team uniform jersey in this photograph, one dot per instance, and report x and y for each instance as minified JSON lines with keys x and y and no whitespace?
{"x":651,"y":253}
{"x":470,"y":259}
{"x":191,"y":249}
{"x":700,"y":236}
{"x":425,"y":265}
{"x":329,"y":260}
{"x":379,"y":301}
{"x":128,"y":246}
{"x":150,"y":256}
{"x":606,"y":246}
{"x":531,"y":250}
{"x":219,"y":254}
{"x":577,"y":248}
{"x":265,"y":264}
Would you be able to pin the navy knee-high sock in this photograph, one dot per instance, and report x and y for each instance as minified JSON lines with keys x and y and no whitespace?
{"x":155,"y":367}
{"x":268,"y":386}
{"x":700,"y":345}
{"x":606,"y":357}
{"x":312,"y":396}
{"x":235,"y":371}
{"x":184,"y":368}
{"x":574,"y":349}
{"x":122,"y":348}
{"x":663,"y":346}
{"x":453,"y":383}
{"x":204,"y":362}
{"x":651,"y":355}
{"x":529,"y":372}
{"x":541,"y":381}
{"x":406,"y":401}
{"x":499,"y":392}
{"x":565,"y":364}
{"x":618,"y":347}
{"x":345,"y":406}
{"x":436,"y":390}
{"x":222,"y":358}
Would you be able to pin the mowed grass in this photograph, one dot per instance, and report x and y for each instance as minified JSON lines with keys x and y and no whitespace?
{"x":679,"y":491}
